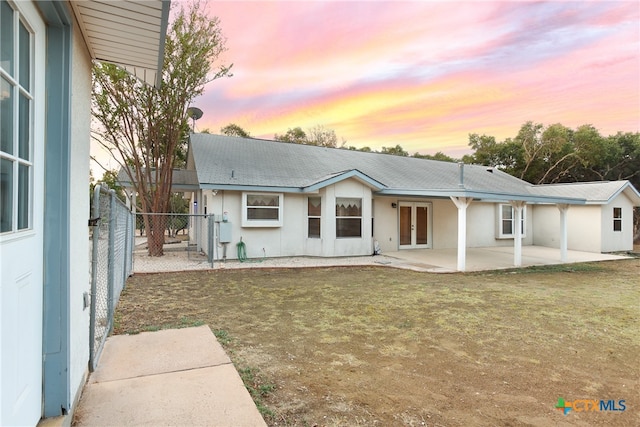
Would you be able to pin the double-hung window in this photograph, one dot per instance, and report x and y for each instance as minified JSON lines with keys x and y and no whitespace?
{"x":314,"y":216}
{"x":348,"y":217}
{"x":617,"y":219}
{"x":262,"y":209}
{"x":506,"y":221}
{"x":16,"y":105}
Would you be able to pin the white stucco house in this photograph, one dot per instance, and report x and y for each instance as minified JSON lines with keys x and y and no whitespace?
{"x":298,"y":200}
{"x":46,"y":52}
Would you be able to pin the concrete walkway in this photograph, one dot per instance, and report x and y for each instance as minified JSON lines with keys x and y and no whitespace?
{"x":174,"y":377}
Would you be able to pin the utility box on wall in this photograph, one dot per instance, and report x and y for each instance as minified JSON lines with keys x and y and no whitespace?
{"x":224,"y":235}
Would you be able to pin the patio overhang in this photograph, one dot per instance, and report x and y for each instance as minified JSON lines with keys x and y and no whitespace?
{"x":130,"y":34}
{"x":485,"y":196}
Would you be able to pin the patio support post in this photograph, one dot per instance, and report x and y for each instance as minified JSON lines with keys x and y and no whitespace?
{"x":563,"y":231}
{"x":462,"y":203}
{"x":518,"y":206}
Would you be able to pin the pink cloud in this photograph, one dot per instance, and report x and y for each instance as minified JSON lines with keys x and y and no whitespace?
{"x":425,"y":75}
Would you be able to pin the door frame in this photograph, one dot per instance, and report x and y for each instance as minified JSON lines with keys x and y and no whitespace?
{"x":413,"y":205}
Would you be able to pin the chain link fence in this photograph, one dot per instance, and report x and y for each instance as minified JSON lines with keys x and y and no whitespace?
{"x":185,"y":242}
{"x":111,"y":263}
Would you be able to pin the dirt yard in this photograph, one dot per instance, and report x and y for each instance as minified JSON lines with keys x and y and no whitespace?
{"x":379,"y":346}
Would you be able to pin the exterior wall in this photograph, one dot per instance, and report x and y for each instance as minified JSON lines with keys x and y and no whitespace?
{"x":291,"y":238}
{"x":481,"y":224}
{"x":385,"y":223}
{"x":79,"y":201}
{"x":583,"y":227}
{"x":613,"y":241}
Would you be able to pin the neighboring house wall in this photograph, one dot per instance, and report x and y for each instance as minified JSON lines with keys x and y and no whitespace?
{"x":583,"y":227}
{"x":79,"y":201}
{"x":613,"y":240}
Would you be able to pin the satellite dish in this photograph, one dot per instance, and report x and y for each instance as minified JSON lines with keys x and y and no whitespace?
{"x":194,"y":113}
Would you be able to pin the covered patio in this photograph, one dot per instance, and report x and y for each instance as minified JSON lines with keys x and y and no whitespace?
{"x":488,"y":258}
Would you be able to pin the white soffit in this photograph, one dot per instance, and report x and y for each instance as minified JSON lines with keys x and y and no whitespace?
{"x":129,"y":33}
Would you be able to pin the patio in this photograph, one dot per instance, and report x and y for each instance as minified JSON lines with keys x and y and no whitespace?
{"x":489,"y":258}
{"x":425,"y":260}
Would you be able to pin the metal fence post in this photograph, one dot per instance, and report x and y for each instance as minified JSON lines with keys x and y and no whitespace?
{"x":95,"y":217}
{"x":211,"y":238}
{"x":111,"y":257}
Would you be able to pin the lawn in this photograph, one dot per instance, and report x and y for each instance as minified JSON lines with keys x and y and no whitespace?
{"x":380,"y":346}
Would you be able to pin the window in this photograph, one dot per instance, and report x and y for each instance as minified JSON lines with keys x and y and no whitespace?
{"x":506,"y":218}
{"x":617,"y":219}
{"x":314,"y":214}
{"x":348,"y":217}
{"x":262,"y":210}
{"x":16,"y":99}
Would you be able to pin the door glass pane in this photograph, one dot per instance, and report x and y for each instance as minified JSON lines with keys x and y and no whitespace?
{"x":24,"y":42}
{"x":6,"y":37}
{"x":6,"y":194}
{"x":23,"y":197}
{"x":421,"y":225}
{"x":23,"y":128}
{"x":405,"y":225}
{"x":6,"y":116}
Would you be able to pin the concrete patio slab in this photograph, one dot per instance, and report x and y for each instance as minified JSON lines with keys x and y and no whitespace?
{"x":488,"y":258}
{"x":166,"y":378}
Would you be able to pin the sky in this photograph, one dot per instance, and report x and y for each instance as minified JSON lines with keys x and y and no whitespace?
{"x":425,"y":74}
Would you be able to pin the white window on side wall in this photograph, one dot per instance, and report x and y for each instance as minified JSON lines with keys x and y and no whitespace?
{"x":262,"y":209}
{"x":348,"y":217}
{"x":506,"y":222}
{"x":314,"y":217}
{"x":617,"y":219}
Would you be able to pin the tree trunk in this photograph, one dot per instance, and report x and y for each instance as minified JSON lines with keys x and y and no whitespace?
{"x":156,"y":225}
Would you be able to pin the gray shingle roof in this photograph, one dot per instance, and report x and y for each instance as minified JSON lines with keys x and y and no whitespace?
{"x":225,"y":161}
{"x":597,"y":192}
{"x":182,"y":179}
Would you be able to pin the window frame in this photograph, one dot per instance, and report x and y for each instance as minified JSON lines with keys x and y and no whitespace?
{"x":500,"y":234}
{"x":20,"y":94}
{"x":314,"y":217}
{"x":348,"y":217}
{"x":617,"y":219}
{"x":246,"y":222}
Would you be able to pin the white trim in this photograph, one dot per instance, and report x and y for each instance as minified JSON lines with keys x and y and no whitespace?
{"x":499,"y":219}
{"x":246,"y":222}
{"x":413,"y":206}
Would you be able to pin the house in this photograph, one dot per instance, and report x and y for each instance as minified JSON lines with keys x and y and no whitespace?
{"x":298,"y":200}
{"x":47,"y":48}
{"x":603,"y":224}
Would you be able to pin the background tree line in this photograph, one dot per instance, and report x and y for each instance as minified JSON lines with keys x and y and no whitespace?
{"x":538,"y":154}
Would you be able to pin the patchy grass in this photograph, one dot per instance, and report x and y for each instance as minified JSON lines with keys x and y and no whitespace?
{"x":379,"y":346}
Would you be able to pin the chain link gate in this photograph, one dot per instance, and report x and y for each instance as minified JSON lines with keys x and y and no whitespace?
{"x":111,"y":263}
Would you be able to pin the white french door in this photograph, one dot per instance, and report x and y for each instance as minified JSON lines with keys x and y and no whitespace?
{"x":414,"y":225}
